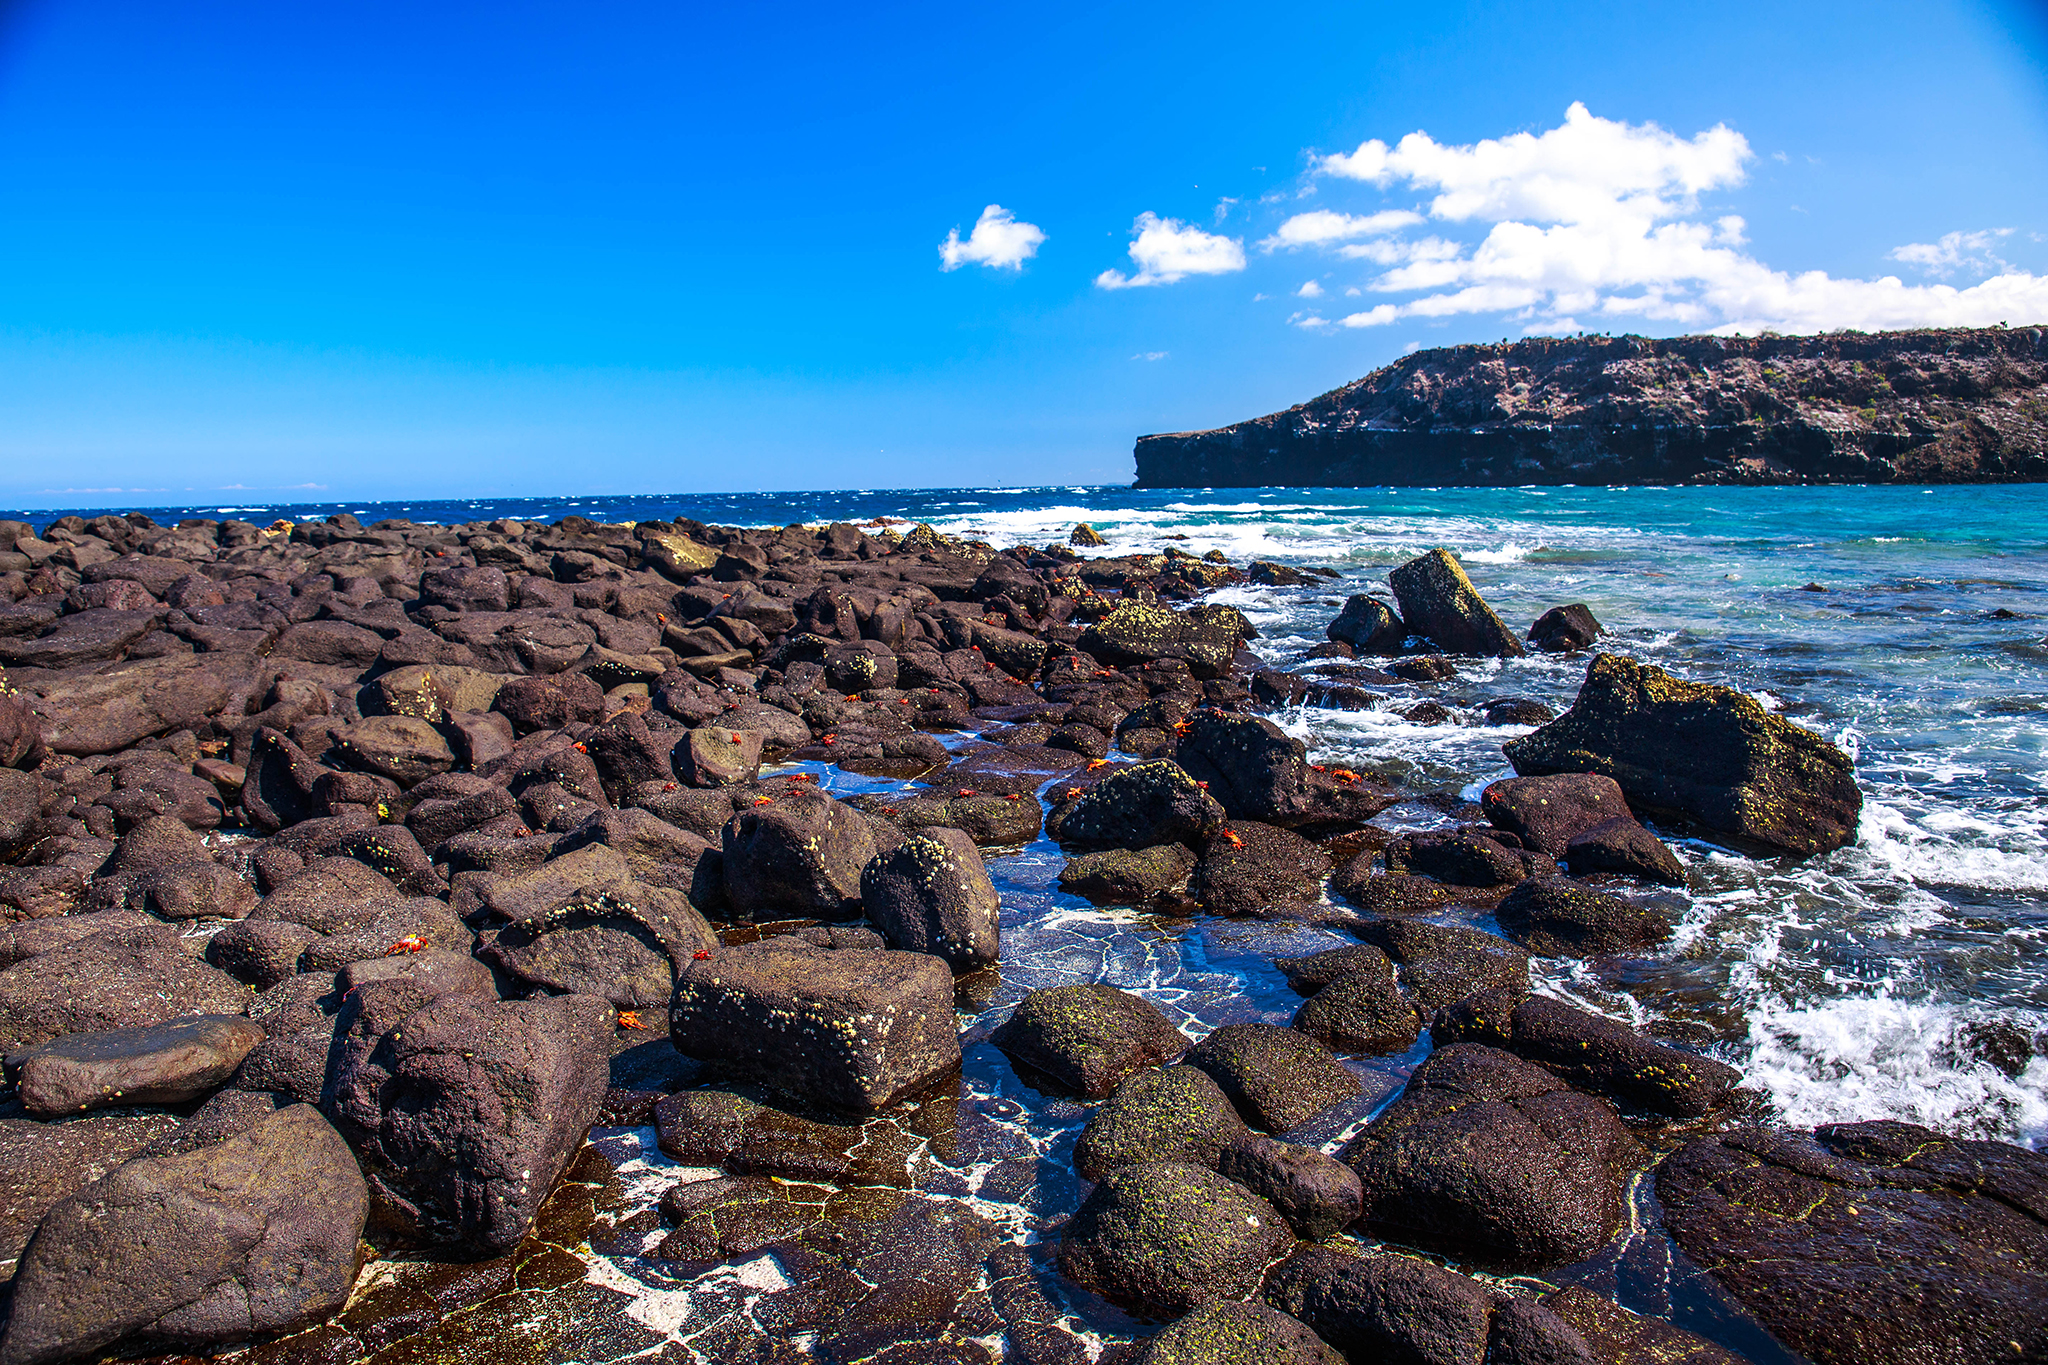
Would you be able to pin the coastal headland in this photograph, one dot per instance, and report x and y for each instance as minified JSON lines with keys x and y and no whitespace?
{"x":1937,"y":406}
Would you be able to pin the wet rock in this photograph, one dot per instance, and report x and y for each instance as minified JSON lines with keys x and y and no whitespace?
{"x":1880,"y":1243}
{"x":1384,"y":1307}
{"x":1706,"y":755}
{"x":1387,"y":893}
{"x":1626,"y":847}
{"x":932,"y":894}
{"x":121,"y":978}
{"x":254,"y":1233}
{"x":1438,"y":601}
{"x":1439,"y":963}
{"x":1466,"y":856}
{"x":1084,"y":534}
{"x":1117,"y":876}
{"x":1612,"y":1333}
{"x":1256,"y":869}
{"x":621,"y":941}
{"x":1547,"y":813}
{"x":1318,"y":1195}
{"x":1138,"y":807}
{"x":1524,"y":1332}
{"x":1557,"y":917}
{"x":1488,"y":1157}
{"x":1170,"y":1114}
{"x":988,"y":819}
{"x":851,"y":1029}
{"x":801,"y":854}
{"x":161,"y":1064}
{"x":732,"y":1218}
{"x":1424,"y":668}
{"x":1168,"y":1237}
{"x":1562,"y":630}
{"x":1277,"y":1078}
{"x":1311,"y":973}
{"x":1205,"y":638}
{"x":1249,"y":765}
{"x":720,"y":1128}
{"x":1517,"y":711}
{"x":1084,"y":1040}
{"x":1237,"y":1334}
{"x":1427,"y":713}
{"x":1590,"y":1052}
{"x":468,"y":1108}
{"x":1368,"y":625}
{"x":1362,"y":1011}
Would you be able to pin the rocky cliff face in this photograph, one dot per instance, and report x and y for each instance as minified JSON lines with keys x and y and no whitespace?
{"x":1960,"y":406}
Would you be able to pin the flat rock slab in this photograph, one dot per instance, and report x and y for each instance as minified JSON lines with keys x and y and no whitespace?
{"x":160,"y":1064}
{"x":122,"y":978}
{"x":1879,"y":1243}
{"x":849,"y":1028}
{"x":41,"y":1163}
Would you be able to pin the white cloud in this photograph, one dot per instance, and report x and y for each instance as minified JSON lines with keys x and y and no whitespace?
{"x":1319,"y":227}
{"x":1955,"y":251}
{"x":1167,"y":250}
{"x":1308,"y":321}
{"x":1603,"y":219}
{"x":1311,"y":290}
{"x":1150,"y":355}
{"x":998,"y":241}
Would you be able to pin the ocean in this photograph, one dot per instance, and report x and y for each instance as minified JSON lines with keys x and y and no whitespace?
{"x":1904,"y":976}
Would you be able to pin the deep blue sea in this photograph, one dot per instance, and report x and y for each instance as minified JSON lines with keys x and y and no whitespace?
{"x":1853,"y":986}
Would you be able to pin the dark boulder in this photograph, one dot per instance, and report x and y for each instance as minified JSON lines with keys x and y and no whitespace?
{"x":1517,"y":711}
{"x":549,"y":703}
{"x":726,"y":1130}
{"x":620,"y":940}
{"x":1237,"y":1334}
{"x":1616,"y":1336}
{"x":1317,"y":1194}
{"x":1378,"y":1307}
{"x":467,"y":1108}
{"x":1487,"y":1157}
{"x":42,"y":1162}
{"x":1368,"y":625}
{"x":120,"y":978}
{"x":800,"y":853}
{"x":1547,"y":813}
{"x":1562,"y":630}
{"x":1084,"y":1040}
{"x":1138,"y":807}
{"x":850,"y":1029}
{"x":160,"y":1064}
{"x":932,"y":894}
{"x":1467,"y":855}
{"x":1626,"y":847}
{"x":1155,"y":876}
{"x":1256,"y":869}
{"x":716,"y":756}
{"x":403,"y":748}
{"x":1877,"y":1243}
{"x":1167,"y":1237}
{"x":1438,"y":601}
{"x":1590,"y":1052}
{"x":1276,"y":1077}
{"x":256,"y":1232}
{"x":1705,"y":755}
{"x":1363,"y":1011}
{"x":1441,"y":963}
{"x":1170,"y":1114}
{"x":1558,"y":917}
{"x":1361,"y":882}
{"x":1205,"y":638}
{"x":1254,"y":769}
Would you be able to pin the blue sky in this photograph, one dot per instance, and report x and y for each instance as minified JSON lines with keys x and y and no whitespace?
{"x":368,"y":250}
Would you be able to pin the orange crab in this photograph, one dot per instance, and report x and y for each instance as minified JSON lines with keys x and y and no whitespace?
{"x":829,"y":739}
{"x":1230,"y":837}
{"x":1095,"y":763}
{"x":631,"y":1019}
{"x":1344,"y":775}
{"x":701,"y":955}
{"x":411,"y":943}
{"x":764,"y":800}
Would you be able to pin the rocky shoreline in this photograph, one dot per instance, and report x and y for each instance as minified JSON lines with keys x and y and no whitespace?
{"x":350,"y":875}
{"x":1954,"y":406}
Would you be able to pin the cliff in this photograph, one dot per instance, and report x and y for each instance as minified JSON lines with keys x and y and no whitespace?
{"x":1958,"y":406}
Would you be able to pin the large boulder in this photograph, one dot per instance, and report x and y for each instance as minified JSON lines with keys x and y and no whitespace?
{"x":161,"y":1064}
{"x":1368,"y":625}
{"x":120,"y":978}
{"x":799,"y":853}
{"x":466,"y":1108}
{"x":1316,"y":1193}
{"x":197,"y":1247}
{"x":1438,"y":601}
{"x":723,"y":1129}
{"x":1170,"y":1114}
{"x":1139,"y":807}
{"x":1277,"y":1078}
{"x":1083,"y":1040}
{"x":1558,"y":917}
{"x":1490,"y":1158}
{"x":1442,"y":963}
{"x":103,"y":712}
{"x":1562,"y":630}
{"x":1378,"y":1307}
{"x":1257,"y":869}
{"x":1259,"y":772}
{"x":1237,"y":1334}
{"x":1167,"y":1237}
{"x":1547,"y":812}
{"x":1361,"y":1011}
{"x":1205,"y":638}
{"x":932,"y":894}
{"x":849,"y":1028}
{"x":1880,"y":1243}
{"x":1709,"y":756}
{"x":1118,"y":876}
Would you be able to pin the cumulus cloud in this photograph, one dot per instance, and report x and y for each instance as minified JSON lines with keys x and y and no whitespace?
{"x":1310,"y":290}
{"x":1167,"y":250}
{"x":998,"y":241}
{"x":1603,"y":219}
